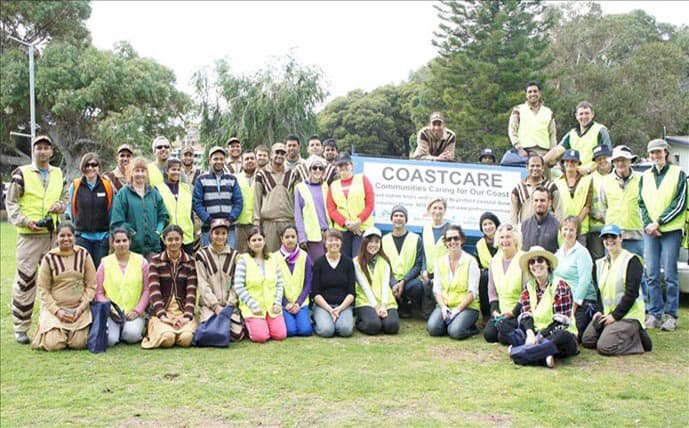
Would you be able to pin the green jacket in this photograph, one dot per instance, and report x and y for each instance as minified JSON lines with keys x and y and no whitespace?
{"x":144,"y":218}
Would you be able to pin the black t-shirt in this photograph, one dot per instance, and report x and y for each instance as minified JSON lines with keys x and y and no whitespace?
{"x":333,"y":284}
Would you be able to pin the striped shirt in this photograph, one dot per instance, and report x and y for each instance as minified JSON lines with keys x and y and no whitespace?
{"x":217,"y":197}
{"x":167,"y":281}
{"x":243,"y":293}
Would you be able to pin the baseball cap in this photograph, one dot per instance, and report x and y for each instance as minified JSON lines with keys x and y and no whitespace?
{"x":373,"y":231}
{"x":610,"y":229}
{"x":279,"y":146}
{"x":125,"y":148}
{"x":220,"y":222}
{"x":487,"y":153}
{"x":601,"y":150}
{"x":571,"y":154}
{"x":622,"y":152}
{"x":233,"y":140}
{"x":41,"y":139}
{"x":186,"y":149}
{"x":436,"y":116}
{"x":657,"y":144}
{"x":215,"y":149}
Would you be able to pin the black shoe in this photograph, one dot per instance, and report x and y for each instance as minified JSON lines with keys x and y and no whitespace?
{"x":21,"y":338}
{"x":405,"y":309}
{"x":645,"y":340}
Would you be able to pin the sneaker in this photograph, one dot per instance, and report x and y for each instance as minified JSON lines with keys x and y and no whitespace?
{"x":652,"y":322}
{"x":550,"y":361}
{"x":670,"y":323}
{"x":21,"y":337}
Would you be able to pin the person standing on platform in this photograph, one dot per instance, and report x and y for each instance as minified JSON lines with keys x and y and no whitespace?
{"x":435,"y":142}
{"x":531,"y":128}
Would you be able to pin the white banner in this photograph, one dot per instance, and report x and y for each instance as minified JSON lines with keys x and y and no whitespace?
{"x":470,"y":189}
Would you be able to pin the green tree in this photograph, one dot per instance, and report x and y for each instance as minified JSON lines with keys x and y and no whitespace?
{"x":488,"y":51}
{"x":262,"y":108}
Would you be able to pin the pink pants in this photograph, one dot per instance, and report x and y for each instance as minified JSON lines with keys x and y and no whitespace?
{"x":262,"y":329}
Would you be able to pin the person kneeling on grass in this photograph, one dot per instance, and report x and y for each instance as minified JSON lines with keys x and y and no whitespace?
{"x":172,"y":285}
{"x":546,"y":322}
{"x":455,"y":286}
{"x":66,"y":285}
{"x":296,"y":272}
{"x":376,"y":307}
{"x":123,"y":279}
{"x":332,"y":289}
{"x":215,"y":266}
{"x":259,"y":284}
{"x":618,"y":329}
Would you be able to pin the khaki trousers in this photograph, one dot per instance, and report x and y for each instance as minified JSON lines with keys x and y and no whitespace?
{"x":30,"y":251}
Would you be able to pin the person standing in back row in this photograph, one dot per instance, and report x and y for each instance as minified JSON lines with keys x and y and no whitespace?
{"x":435,"y":142}
{"x":532,"y":125}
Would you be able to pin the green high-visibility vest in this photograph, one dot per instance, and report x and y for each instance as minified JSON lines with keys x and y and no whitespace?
{"x":508,"y":284}
{"x":572,"y":205}
{"x":179,"y":208}
{"x":155,"y":177}
{"x":543,"y":310}
{"x":293,"y":281}
{"x":432,"y":250}
{"x":248,"y":191}
{"x":123,"y":288}
{"x":623,"y":204}
{"x":312,"y":227}
{"x":261,"y":286}
{"x":455,"y":288}
{"x":402,"y":262}
{"x":378,"y":287}
{"x":353,"y":204}
{"x":612,"y":282}
{"x":484,"y":255}
{"x":36,"y":200}
{"x":658,"y":198}
{"x":533,"y":128}
{"x":586,"y":143}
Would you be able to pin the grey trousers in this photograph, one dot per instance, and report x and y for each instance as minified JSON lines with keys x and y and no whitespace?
{"x":620,"y":338}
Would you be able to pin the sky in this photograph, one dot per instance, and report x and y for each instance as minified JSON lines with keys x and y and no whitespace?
{"x":356,"y":44}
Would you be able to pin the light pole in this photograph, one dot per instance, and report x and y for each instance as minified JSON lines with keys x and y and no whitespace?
{"x":32,"y":91}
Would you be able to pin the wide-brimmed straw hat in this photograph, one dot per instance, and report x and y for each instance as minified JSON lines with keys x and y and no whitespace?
{"x":536,"y":251}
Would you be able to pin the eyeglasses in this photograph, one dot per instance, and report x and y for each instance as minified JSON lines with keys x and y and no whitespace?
{"x":91,"y":165}
{"x":162,"y":147}
{"x":453,"y":238}
{"x":317,"y":168}
{"x":539,"y":259}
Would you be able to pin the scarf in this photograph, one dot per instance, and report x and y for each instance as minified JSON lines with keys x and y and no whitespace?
{"x":290,"y":256}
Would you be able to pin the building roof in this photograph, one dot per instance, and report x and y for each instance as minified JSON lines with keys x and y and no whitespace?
{"x":679,"y":140}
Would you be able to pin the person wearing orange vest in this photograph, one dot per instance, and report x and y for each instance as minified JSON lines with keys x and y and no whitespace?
{"x":584,"y":137}
{"x":532,"y":125}
{"x":310,"y":210}
{"x":36,"y":195}
{"x":662,"y":200}
{"x":350,"y":204}
{"x":89,"y":209}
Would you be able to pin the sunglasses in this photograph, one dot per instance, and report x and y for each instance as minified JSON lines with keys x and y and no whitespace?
{"x":606,"y":237}
{"x":453,"y":238}
{"x":91,"y":164}
{"x":317,"y":168}
{"x":539,"y":259}
{"x":280,"y":152}
{"x":162,"y":147}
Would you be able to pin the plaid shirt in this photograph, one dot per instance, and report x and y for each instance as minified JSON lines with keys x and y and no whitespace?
{"x":562,"y":302}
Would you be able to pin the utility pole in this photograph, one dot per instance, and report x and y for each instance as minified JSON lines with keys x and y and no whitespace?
{"x":32,"y":89}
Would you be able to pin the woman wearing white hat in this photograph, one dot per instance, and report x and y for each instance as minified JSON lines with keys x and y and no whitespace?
{"x":546,"y":315}
{"x":376,"y":307}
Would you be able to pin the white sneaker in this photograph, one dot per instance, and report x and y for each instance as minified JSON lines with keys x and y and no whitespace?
{"x":670,"y":323}
{"x":550,"y":361}
{"x":652,"y":322}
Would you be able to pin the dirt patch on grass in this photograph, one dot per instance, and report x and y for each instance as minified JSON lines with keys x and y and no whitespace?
{"x":455,"y":352}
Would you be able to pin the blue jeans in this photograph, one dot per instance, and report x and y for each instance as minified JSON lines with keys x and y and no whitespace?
{"x":663,"y":252}
{"x":463,"y":326}
{"x":325,"y":327}
{"x":231,"y":239}
{"x":97,"y":249}
{"x":299,"y":324}
{"x":350,"y":244}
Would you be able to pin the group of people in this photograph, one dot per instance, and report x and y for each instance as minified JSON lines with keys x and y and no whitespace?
{"x":284,"y":246}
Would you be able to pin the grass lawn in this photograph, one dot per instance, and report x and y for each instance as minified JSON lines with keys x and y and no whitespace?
{"x":408,"y":379}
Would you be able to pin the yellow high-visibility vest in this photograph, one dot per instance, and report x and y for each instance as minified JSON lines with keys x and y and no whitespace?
{"x":534,"y":128}
{"x":658,"y":198}
{"x":36,"y":200}
{"x":612,"y":282}
{"x":353,"y":204}
{"x":179,"y":208}
{"x":123,"y":288}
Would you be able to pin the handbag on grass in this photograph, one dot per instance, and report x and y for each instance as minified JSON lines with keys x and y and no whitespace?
{"x":215,"y":331}
{"x":98,"y":332}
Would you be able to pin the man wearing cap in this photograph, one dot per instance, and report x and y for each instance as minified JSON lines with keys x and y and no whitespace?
{"x":487,"y":156}
{"x":330,"y":154}
{"x":532,"y":125}
{"x":310,"y":211}
{"x":189,"y":173}
{"x":234,"y":158}
{"x":405,"y":251}
{"x":542,"y":227}
{"x":247,"y":185}
{"x":601,"y":156}
{"x":576,"y":192}
{"x":157,"y":169}
{"x":350,"y":204}
{"x":274,"y":197}
{"x":435,"y":142}
{"x":618,"y":330}
{"x":118,"y":175}
{"x":217,"y":195}
{"x":37,"y":193}
{"x":583,"y":138}
{"x":521,"y":205}
{"x":662,"y":200}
